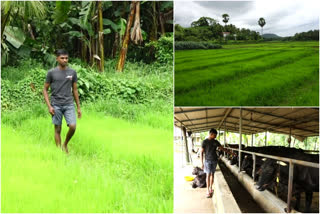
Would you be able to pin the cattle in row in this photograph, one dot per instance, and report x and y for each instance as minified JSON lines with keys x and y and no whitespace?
{"x":305,"y":179}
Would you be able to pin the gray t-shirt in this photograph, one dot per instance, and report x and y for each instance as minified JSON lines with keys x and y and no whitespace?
{"x":210,"y":148}
{"x":61,"y":85}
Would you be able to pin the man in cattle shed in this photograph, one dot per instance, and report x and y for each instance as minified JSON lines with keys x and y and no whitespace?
{"x":209,"y":147}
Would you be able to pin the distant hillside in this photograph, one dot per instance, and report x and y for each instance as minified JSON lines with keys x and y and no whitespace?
{"x":270,"y":36}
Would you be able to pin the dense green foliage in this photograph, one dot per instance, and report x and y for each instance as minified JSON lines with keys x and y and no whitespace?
{"x":311,"y":35}
{"x":273,"y":139}
{"x":266,"y":74}
{"x":185,"y":45}
{"x":141,"y":83}
{"x":36,"y":29}
{"x":208,"y":29}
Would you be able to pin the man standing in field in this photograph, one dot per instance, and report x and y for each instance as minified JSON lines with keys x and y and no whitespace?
{"x":209,"y":147}
{"x":63,"y":83}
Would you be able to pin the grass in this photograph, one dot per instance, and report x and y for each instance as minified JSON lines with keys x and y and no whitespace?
{"x":264,"y":74}
{"x":113,"y":166}
{"x":120,"y":159}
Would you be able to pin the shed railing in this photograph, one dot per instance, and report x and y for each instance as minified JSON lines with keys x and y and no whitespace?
{"x":291,"y":167}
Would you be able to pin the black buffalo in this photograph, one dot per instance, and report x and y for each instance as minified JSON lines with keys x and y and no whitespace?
{"x":305,"y":179}
{"x":247,"y":160}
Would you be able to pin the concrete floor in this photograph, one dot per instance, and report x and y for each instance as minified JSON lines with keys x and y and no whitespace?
{"x":187,"y":199}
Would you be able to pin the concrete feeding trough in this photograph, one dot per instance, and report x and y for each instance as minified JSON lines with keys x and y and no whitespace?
{"x":223,"y":199}
{"x":268,"y":201}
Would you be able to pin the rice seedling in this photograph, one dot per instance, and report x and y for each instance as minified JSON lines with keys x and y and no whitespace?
{"x":247,"y":71}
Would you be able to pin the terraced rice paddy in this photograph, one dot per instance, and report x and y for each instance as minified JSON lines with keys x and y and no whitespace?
{"x":265,"y":74}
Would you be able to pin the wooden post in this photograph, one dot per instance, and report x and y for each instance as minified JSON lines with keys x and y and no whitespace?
{"x":186,"y":144}
{"x":240,"y":141}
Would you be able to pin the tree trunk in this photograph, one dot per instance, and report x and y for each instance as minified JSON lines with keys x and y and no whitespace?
{"x":115,"y":45}
{"x":154,"y":28}
{"x":161,"y":21}
{"x":124,"y":47}
{"x":31,"y":32}
{"x":136,"y":36}
{"x":91,"y":50}
{"x":101,"y":37}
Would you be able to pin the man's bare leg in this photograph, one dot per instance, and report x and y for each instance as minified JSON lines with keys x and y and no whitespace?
{"x":208,"y":183}
{"x":72,"y":129}
{"x":57,"y":135}
{"x":211,"y":182}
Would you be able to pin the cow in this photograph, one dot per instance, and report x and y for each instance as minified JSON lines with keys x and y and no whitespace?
{"x":233,"y":158}
{"x":200,"y":179}
{"x":305,"y":179}
{"x":247,"y":160}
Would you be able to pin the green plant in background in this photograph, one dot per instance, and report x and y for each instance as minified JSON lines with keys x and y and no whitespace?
{"x":163,"y":48}
{"x":195,"y":45}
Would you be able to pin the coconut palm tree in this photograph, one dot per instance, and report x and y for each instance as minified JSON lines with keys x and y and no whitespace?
{"x":225,"y":18}
{"x":261,"y":22}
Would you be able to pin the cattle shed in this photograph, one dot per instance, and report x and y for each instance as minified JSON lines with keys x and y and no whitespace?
{"x":297,"y":122}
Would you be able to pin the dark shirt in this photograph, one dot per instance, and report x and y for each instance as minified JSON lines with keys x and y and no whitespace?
{"x":210,"y":147}
{"x":61,"y":85}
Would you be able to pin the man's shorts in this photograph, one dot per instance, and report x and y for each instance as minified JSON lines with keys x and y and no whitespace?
{"x":210,"y":166}
{"x":68,"y":111}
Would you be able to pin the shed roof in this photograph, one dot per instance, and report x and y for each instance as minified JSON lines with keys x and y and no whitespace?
{"x":303,"y":122}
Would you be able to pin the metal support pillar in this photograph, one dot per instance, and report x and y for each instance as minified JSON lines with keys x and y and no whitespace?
{"x":240,"y":141}
{"x":265,"y":142}
{"x":289,"y":140}
{"x":252,"y":140}
{"x":225,"y":137}
{"x":254,"y":167}
{"x":186,"y":144}
{"x":290,"y":182}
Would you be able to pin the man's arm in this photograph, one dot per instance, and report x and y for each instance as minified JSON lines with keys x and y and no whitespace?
{"x":201,"y":157}
{"x":226,"y":150}
{"x":46,"y":97}
{"x":76,"y":97}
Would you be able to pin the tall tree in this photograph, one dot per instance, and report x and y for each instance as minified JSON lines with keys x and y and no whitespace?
{"x":125,"y":42}
{"x":261,"y":22}
{"x":225,"y":18}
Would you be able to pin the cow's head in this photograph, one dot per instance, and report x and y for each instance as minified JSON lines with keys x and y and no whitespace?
{"x":267,"y":173}
{"x":246,"y":163}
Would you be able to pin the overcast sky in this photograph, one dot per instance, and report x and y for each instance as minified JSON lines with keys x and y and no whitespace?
{"x":283,"y":17}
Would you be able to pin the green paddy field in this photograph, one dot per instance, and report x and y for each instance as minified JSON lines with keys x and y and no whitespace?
{"x":114,"y":165}
{"x":264,"y":74}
